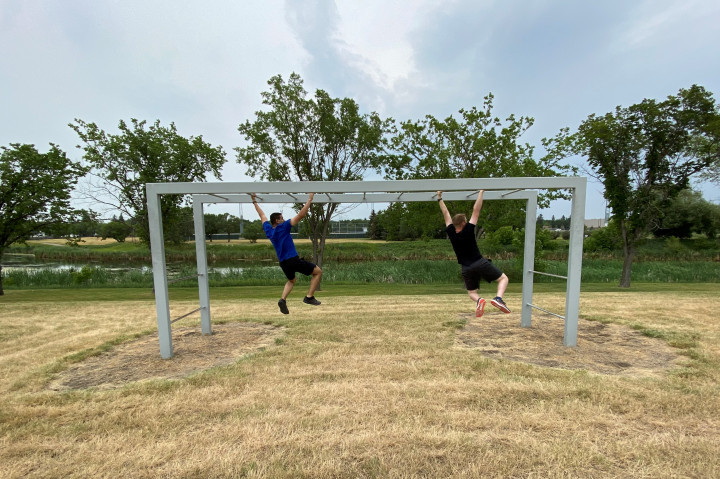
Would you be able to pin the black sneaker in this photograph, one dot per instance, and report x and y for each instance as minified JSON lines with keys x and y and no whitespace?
{"x":311,"y":300}
{"x":283,"y":307}
{"x":500,"y":304}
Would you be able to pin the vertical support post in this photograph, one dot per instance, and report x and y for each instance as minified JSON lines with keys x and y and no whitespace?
{"x":157,"y":250}
{"x":202,"y":270}
{"x":529,"y":261}
{"x":577,"y":232}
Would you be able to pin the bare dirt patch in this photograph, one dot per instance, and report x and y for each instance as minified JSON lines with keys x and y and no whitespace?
{"x":192,"y":352}
{"x":601,"y":348}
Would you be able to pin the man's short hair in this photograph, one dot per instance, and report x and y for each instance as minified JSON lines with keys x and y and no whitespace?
{"x":274,"y":217}
{"x":459,"y":219}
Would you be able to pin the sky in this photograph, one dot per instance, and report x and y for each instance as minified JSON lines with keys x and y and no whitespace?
{"x":204,"y":64}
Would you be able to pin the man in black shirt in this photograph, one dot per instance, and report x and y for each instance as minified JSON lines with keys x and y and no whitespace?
{"x":474,"y":267}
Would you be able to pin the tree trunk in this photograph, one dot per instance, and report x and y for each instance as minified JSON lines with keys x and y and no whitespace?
{"x":628,"y":256}
{"x":627,"y":269}
{"x":1,"y":287}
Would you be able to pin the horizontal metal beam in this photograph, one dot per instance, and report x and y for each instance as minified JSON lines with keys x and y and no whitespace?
{"x":367,"y":197}
{"x":391,"y":186}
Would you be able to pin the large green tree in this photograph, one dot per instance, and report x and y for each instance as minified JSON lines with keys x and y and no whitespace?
{"x":645,"y":155}
{"x":475,"y":144}
{"x":689,"y":213}
{"x":142,"y":154}
{"x":320,"y":138}
{"x":35,"y":191}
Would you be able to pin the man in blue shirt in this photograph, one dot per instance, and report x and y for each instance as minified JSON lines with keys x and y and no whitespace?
{"x":474,"y":266}
{"x":278,"y":232}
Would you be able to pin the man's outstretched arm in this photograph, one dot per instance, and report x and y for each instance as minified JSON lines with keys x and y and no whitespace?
{"x":301,"y":214}
{"x":477,"y":207}
{"x":259,"y":210}
{"x":444,"y":210}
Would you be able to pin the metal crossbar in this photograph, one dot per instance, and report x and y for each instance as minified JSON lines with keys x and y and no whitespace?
{"x":187,"y":314}
{"x":511,"y":192}
{"x":213,"y":194}
{"x":546,"y":311}
{"x":549,"y":274}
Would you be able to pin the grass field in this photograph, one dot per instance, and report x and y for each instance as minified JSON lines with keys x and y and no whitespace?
{"x":372,"y":383}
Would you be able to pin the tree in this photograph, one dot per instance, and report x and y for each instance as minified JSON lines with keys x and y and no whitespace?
{"x":374,"y":231}
{"x":117,"y":229}
{"x":645,"y":155}
{"x":253,"y":231}
{"x":35,"y":191}
{"x":138,"y":155}
{"x":214,"y":224}
{"x":311,"y":139}
{"x":83,"y":223}
{"x":475,"y":145}
{"x":689,"y":213}
{"x":708,"y":144}
{"x":229,"y":225}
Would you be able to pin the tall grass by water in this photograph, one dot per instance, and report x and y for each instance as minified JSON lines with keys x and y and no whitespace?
{"x":400,"y":272}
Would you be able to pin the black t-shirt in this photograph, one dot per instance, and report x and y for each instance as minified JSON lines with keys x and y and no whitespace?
{"x":464,"y":244}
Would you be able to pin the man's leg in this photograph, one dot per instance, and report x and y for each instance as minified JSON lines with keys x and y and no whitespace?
{"x":502,"y":282}
{"x":479,"y":302}
{"x":474,"y":295}
{"x":288,"y":288}
{"x":314,"y":281}
{"x":498,"y":302}
{"x":286,"y":292}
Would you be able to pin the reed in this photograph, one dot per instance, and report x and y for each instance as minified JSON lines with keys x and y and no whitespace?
{"x":657,"y":249}
{"x":383,"y":272}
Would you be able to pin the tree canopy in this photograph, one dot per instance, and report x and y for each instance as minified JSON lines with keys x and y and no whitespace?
{"x":645,"y":155}
{"x":35,"y":191}
{"x":475,"y":144}
{"x":311,"y":139}
{"x":142,"y":154}
{"x":689,"y":213}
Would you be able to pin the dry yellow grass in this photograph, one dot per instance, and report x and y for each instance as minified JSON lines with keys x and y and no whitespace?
{"x":360,"y":387}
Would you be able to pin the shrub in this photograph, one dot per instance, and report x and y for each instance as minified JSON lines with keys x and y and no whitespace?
{"x":603,"y":239}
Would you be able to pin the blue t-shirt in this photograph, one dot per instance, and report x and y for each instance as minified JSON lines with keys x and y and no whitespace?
{"x":281,"y":239}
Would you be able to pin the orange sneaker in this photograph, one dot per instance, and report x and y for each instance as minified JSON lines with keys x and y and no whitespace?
{"x":480,"y":308}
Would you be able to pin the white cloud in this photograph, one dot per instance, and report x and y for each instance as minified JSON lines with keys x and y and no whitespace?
{"x":203,"y":65}
{"x":654,"y":22}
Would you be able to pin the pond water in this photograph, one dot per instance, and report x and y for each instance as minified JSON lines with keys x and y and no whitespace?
{"x":28,"y":263}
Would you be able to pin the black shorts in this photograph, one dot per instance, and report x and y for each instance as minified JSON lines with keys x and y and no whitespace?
{"x":480,"y":269}
{"x":296,"y":265}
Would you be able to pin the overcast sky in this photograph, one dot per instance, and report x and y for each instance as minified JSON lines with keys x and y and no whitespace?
{"x":203,"y":64}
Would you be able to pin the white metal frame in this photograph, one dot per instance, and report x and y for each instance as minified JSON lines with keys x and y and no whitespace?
{"x":367,"y":192}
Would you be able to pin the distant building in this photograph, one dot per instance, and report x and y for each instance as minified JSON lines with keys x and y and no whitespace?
{"x":595,"y":223}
